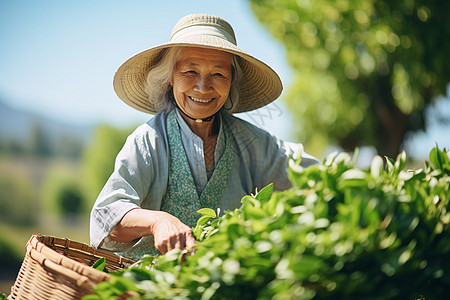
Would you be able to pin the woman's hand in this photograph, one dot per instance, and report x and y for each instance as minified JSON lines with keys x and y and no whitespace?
{"x":168,"y":231}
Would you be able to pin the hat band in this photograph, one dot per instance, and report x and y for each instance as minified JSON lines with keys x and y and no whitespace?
{"x":207,"y":30}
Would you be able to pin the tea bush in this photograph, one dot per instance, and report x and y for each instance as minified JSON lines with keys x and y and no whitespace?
{"x":340,"y":233}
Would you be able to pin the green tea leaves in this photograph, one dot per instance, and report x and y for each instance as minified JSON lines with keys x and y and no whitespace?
{"x":339,"y":233}
{"x":206,"y":224}
{"x":352,"y":178}
{"x":100,"y":265}
{"x":439,"y":159}
{"x":377,"y":166}
{"x":207,"y":212}
{"x":265,"y":194}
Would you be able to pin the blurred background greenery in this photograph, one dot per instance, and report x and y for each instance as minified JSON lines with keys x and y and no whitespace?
{"x":369,"y":74}
{"x":45,"y":189}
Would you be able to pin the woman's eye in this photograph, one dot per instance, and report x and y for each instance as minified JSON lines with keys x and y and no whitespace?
{"x":191,"y":72}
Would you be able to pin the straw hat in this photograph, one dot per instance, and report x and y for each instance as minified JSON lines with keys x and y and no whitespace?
{"x":259,"y":85}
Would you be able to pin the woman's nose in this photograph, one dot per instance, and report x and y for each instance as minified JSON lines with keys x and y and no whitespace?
{"x":204,"y":83}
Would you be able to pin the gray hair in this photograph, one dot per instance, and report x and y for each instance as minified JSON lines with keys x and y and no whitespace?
{"x":158,"y":81}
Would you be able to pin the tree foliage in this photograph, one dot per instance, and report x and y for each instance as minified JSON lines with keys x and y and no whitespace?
{"x":364,"y":70}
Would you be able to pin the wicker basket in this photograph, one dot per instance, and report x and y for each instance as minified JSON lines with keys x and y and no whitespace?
{"x":56,"y":268}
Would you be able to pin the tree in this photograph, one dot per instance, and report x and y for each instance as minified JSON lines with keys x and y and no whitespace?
{"x":364,"y":70}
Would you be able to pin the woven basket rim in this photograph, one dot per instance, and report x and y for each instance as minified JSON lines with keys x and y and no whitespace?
{"x":65,"y":245}
{"x":61,"y":266}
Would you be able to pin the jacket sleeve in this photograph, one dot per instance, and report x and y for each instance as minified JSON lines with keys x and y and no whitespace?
{"x":124,"y":191}
{"x":278,"y":153}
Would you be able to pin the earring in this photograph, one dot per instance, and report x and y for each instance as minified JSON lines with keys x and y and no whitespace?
{"x":231,"y":100}
{"x":170,"y":94}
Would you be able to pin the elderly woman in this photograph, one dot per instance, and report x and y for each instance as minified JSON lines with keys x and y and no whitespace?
{"x":193,"y":153}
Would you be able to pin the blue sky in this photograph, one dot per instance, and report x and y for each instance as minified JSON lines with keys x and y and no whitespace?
{"x":58,"y":58}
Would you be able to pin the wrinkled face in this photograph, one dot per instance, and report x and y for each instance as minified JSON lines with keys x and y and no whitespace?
{"x":201,"y":81}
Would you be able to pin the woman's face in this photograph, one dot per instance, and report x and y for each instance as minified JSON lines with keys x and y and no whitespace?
{"x":201,"y":81}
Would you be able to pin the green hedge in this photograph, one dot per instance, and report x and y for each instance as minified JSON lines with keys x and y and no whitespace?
{"x":340,"y":233}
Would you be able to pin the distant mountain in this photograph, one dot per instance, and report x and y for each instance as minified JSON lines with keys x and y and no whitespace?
{"x":19,"y":125}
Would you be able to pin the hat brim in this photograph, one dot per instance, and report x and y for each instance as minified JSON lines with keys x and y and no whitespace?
{"x":259,"y":85}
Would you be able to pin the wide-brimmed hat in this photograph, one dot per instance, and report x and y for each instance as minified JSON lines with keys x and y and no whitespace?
{"x":259,"y":84}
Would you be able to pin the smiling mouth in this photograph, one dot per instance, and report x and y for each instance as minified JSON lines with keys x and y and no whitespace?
{"x":201,"y":100}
